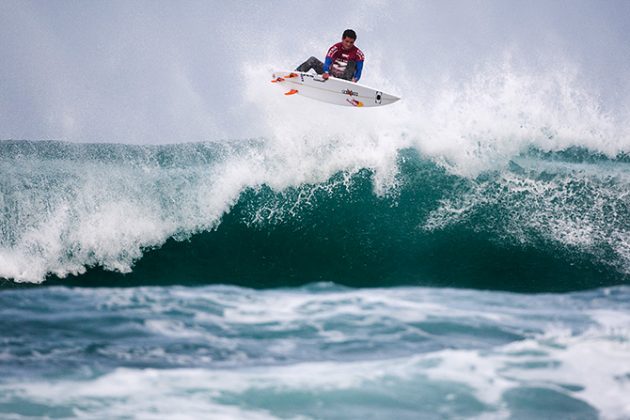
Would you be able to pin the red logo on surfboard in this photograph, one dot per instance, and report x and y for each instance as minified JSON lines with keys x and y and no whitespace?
{"x":354,"y":102}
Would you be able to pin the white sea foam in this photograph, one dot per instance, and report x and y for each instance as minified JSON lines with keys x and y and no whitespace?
{"x":576,"y":206}
{"x":65,"y":215}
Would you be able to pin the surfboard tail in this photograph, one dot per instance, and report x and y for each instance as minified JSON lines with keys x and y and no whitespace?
{"x":283,"y":78}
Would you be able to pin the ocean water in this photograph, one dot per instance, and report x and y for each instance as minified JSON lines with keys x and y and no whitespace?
{"x":319,"y":351}
{"x":429,"y":294}
{"x":179,"y":240}
{"x":199,"y":213}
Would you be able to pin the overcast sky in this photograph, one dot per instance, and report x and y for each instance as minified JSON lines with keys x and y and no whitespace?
{"x":170,"y":71}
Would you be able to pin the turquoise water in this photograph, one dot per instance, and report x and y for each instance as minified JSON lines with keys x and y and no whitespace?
{"x":80,"y":214}
{"x":201,"y":280}
{"x":320,"y":351}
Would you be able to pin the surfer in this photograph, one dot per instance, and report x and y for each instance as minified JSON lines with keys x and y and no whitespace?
{"x":343,"y":60}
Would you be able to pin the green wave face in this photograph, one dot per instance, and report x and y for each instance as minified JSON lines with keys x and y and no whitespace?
{"x":111,"y":215}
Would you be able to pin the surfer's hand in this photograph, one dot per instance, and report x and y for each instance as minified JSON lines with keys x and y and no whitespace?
{"x":325,"y":76}
{"x":354,"y":80}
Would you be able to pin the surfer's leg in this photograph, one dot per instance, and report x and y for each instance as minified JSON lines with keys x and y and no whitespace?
{"x":311,"y":63}
{"x":348,"y":74}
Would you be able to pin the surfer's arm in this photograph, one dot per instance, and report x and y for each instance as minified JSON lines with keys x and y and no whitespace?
{"x":359,"y":66}
{"x":327,"y":64}
{"x":357,"y":71}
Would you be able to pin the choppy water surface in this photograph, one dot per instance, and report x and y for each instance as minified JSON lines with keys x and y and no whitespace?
{"x":312,"y":352}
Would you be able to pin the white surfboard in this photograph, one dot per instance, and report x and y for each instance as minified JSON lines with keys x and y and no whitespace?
{"x":334,"y":91}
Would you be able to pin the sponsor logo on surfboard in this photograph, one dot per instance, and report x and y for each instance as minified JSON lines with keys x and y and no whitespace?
{"x":350,"y":92}
{"x":354,"y":102}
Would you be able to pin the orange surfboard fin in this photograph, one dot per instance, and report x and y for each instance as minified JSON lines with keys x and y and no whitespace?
{"x":292,"y":92}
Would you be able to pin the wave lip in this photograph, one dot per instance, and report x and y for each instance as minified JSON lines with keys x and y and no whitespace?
{"x":205,"y":213}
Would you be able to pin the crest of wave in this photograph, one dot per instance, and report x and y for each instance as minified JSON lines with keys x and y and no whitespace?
{"x":76,"y":213}
{"x":469,"y":125}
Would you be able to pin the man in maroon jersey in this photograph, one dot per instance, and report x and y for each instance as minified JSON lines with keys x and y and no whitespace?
{"x":343,"y":60}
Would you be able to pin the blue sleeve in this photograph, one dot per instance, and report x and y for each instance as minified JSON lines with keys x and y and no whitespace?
{"x":359,"y":69}
{"x":327,"y":64}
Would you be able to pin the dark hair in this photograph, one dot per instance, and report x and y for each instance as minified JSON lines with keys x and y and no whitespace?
{"x":349,"y":33}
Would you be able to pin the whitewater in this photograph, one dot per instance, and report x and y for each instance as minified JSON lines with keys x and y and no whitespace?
{"x":527,"y":163}
{"x":180,"y":240}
